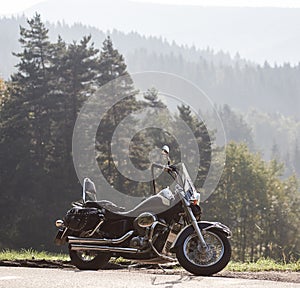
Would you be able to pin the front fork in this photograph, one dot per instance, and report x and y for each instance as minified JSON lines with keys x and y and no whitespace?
{"x":196,"y":227}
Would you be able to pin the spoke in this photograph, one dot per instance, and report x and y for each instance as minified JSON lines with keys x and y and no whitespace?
{"x":204,"y":256}
{"x":86,"y":255}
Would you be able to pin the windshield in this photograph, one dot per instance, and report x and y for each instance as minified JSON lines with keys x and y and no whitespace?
{"x":187,"y":184}
{"x":180,"y":184}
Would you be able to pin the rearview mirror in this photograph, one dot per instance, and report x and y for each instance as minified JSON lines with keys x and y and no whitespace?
{"x":88,"y":188}
{"x":165,"y":150}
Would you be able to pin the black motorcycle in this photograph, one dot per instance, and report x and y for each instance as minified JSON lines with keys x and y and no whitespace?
{"x":164,"y":228}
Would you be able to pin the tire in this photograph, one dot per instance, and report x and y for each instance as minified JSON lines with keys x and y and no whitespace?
{"x":206,"y":263}
{"x":89,"y":260}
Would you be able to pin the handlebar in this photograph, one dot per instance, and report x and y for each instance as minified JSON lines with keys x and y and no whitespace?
{"x":171,"y":168}
{"x":158,"y":165}
{"x":168,"y":168}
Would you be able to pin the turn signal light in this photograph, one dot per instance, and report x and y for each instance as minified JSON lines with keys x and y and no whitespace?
{"x":59,"y":223}
{"x":194,"y":201}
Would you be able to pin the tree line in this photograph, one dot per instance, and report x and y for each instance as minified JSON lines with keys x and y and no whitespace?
{"x":39,"y":107}
{"x":264,"y":96}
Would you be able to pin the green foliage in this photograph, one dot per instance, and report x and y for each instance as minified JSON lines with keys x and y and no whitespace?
{"x":263,"y":265}
{"x":236,"y":129}
{"x":112,"y":65}
{"x":3,"y":93}
{"x":152,"y":100}
{"x":37,"y":115}
{"x":271,"y":92}
{"x":31,"y":254}
{"x":259,"y":207}
{"x":276,"y":131}
{"x":203,"y":139}
{"x":37,"y":120}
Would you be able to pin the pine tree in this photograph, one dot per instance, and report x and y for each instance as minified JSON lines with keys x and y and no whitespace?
{"x":152,"y":101}
{"x":32,"y":78}
{"x":275,"y":152}
{"x":202,"y":136}
{"x":73,"y":74}
{"x":3,"y":93}
{"x":296,"y":161}
{"x":72,"y":77}
{"x":236,"y":128}
{"x":112,"y":66}
{"x":26,"y":134}
{"x":48,"y":90}
{"x":158,"y":114}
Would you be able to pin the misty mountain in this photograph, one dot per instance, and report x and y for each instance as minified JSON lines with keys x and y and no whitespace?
{"x":234,"y":81}
{"x":128,"y":43}
{"x":266,"y":97}
{"x":257,"y":34}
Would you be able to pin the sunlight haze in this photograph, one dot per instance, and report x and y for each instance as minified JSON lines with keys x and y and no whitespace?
{"x":229,"y":3}
{"x":272,"y":37}
{"x":17,"y":6}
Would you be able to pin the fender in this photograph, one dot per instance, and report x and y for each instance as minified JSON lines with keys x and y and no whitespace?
{"x":204,"y":226}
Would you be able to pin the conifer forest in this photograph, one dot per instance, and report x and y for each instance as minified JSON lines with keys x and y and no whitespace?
{"x":257,"y":195}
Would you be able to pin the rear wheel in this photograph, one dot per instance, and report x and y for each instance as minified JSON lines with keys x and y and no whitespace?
{"x":89,"y":260}
{"x":204,"y":261}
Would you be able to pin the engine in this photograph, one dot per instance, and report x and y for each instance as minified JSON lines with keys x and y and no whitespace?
{"x":139,"y":242}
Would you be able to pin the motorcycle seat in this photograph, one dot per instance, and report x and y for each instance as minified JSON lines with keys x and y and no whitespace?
{"x":154,"y":204}
{"x":104,"y":204}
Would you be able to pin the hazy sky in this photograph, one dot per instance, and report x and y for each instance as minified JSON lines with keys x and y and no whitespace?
{"x":230,"y":3}
{"x":15,"y":6}
{"x":272,"y":37}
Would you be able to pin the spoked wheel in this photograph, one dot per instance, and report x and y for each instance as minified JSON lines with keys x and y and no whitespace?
{"x":204,"y":261}
{"x":89,"y":260}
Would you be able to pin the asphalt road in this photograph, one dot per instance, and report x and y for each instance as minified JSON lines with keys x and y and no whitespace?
{"x":12,"y":277}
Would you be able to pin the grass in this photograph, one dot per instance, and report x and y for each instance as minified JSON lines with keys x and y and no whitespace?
{"x":263,"y":265}
{"x":260,"y":265}
{"x":30,"y":254}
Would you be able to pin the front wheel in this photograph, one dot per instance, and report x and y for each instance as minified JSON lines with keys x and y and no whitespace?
{"x":89,"y":260}
{"x":204,"y":261}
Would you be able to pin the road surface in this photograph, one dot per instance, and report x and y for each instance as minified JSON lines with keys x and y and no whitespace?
{"x":18,"y":277}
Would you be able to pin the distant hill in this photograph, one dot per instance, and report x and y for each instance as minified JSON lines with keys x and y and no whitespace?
{"x":236,"y":82}
{"x":128,"y":43}
{"x":266,"y":97}
{"x":258,"y":34}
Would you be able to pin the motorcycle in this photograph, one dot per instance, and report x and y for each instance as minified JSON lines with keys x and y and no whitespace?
{"x":164,"y":228}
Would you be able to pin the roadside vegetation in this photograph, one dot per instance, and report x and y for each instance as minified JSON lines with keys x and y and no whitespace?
{"x":259,"y":200}
{"x":30,"y":254}
{"x":258,"y":266}
{"x":263,"y":265}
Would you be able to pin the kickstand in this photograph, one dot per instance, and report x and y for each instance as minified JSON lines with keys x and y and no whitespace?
{"x":162,"y":268}
{"x":136,"y":265}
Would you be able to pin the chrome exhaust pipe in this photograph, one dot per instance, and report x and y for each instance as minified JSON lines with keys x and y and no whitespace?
{"x":77,"y":247}
{"x":77,"y":240}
